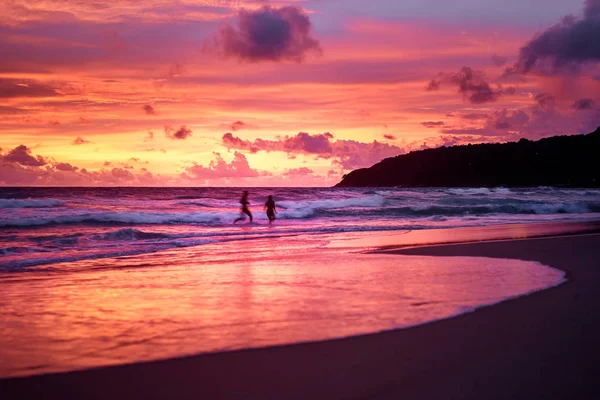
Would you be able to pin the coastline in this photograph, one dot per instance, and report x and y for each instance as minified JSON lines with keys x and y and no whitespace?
{"x":540,"y":345}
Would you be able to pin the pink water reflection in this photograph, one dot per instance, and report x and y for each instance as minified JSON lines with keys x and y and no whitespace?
{"x":236,"y":295}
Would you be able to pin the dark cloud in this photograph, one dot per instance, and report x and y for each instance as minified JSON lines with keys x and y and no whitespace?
{"x":311,"y":144}
{"x":65,"y":167}
{"x":583,"y":104}
{"x":348,"y":154}
{"x":432,"y":124}
{"x":25,"y":88}
{"x":464,"y":131}
{"x":473,"y":85}
{"x":149,"y":137}
{"x":474,"y":116}
{"x":506,"y":120}
{"x":389,"y":137}
{"x":22,"y":155}
{"x":545,"y":101}
{"x":564,"y":46}
{"x":79,"y":140}
{"x":237,"y":125}
{"x":149,"y":110}
{"x":180,"y":134}
{"x":269,"y":34}
{"x":499,"y":60}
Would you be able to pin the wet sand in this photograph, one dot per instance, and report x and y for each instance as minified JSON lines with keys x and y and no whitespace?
{"x":543,"y":345}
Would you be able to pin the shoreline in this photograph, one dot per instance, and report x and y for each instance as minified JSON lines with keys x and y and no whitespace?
{"x":541,"y":345}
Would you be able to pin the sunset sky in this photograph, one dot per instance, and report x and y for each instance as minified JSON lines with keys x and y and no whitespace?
{"x":281,"y":93}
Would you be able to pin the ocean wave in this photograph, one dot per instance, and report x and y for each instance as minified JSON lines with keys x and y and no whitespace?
{"x":484,"y":209}
{"x":141,"y":218}
{"x":367,"y":201}
{"x":478,"y":191}
{"x":307,"y":209}
{"x":132,"y":234}
{"x":19,"y":203}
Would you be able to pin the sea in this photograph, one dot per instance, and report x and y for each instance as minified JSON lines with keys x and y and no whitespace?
{"x":103,"y":276}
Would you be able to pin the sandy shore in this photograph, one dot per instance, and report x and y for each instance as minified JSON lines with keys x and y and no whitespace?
{"x":544,"y":345}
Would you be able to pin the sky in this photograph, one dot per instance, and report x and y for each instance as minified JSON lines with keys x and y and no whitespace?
{"x":280,"y":93}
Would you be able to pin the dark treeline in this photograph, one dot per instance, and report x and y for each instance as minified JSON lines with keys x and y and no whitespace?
{"x":570,"y":161}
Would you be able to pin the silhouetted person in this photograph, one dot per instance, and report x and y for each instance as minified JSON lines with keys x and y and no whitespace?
{"x":270,"y":207}
{"x":244,"y":202}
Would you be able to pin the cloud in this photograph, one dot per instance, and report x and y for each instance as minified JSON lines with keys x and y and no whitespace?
{"x":149,"y":137}
{"x":149,"y":110}
{"x":565,"y":46}
{"x":348,"y":154}
{"x":269,"y":34}
{"x":505,"y":120}
{"x":474,"y":116}
{"x":79,"y":141}
{"x":389,"y":137}
{"x":584,"y":104}
{"x":176,"y":70}
{"x":498,"y":60}
{"x":83,"y":121}
{"x":20,"y":167}
{"x":432,"y":124}
{"x":181,"y":134}
{"x":65,"y":167}
{"x":10,"y":88}
{"x":237,"y":125}
{"x":302,"y":143}
{"x":473,"y":85}
{"x":298,"y":171}
{"x":219,"y":168}
{"x":545,"y":101}
{"x":22,"y":155}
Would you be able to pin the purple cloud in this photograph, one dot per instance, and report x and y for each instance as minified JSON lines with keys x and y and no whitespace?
{"x":348,"y":154}
{"x":180,"y":134}
{"x":564,"y":46}
{"x":432,"y":124}
{"x":237,"y":125}
{"x":473,"y":85}
{"x":149,"y":110}
{"x":583,"y":104}
{"x":22,"y":155}
{"x":269,"y":34}
{"x":498,"y":60}
{"x":25,"y":88}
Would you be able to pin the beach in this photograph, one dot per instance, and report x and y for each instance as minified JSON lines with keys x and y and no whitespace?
{"x":537,"y":346}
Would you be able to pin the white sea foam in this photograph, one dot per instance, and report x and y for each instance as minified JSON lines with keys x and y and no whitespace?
{"x":305,"y":209}
{"x":366,"y":201}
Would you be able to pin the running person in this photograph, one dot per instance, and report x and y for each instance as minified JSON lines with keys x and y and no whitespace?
{"x":244,"y":202}
{"x":270,"y":207}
